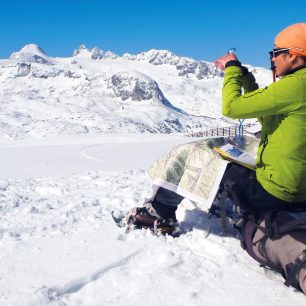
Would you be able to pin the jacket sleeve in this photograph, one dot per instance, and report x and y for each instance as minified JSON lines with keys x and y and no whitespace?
{"x":249,"y":82}
{"x":279,"y":98}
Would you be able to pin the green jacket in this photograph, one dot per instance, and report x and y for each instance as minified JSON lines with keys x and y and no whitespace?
{"x":281,"y":109}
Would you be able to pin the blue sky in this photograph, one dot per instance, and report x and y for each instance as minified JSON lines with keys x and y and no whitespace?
{"x":199,"y":29}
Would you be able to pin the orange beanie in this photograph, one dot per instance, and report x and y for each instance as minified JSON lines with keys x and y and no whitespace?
{"x":293,"y":36}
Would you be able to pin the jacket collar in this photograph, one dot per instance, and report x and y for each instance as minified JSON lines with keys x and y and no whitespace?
{"x":295,"y":70}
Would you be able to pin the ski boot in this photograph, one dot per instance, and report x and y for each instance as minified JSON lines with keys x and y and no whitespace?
{"x":147,"y":217}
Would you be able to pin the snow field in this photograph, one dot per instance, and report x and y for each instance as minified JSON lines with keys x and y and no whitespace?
{"x":60,"y":246}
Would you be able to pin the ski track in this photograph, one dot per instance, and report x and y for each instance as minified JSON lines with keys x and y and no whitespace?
{"x":202,"y":267}
{"x":86,"y":155}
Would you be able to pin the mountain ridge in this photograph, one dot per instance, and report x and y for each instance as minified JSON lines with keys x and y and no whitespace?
{"x":154,"y":91}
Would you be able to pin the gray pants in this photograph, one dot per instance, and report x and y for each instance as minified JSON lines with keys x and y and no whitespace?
{"x":284,"y":250}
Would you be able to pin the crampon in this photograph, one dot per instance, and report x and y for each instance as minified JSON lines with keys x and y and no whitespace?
{"x":147,"y":218}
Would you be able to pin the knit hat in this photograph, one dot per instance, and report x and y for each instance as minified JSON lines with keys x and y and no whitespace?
{"x":294,"y":37}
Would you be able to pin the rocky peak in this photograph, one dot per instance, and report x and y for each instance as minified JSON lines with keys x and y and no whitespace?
{"x":155,"y":57}
{"x":136,"y":86}
{"x":185,"y":65}
{"x":94,"y":53}
{"x":82,"y":51}
{"x":31,"y":53}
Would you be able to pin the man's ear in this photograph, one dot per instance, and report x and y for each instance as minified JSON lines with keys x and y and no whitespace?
{"x":292,"y":58}
{"x":296,"y":60}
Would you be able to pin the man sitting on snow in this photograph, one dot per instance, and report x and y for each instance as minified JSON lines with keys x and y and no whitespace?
{"x":275,"y":194}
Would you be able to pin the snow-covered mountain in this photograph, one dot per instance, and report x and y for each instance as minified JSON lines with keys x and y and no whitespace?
{"x":59,"y":244}
{"x":185,"y":65}
{"x":31,"y":53}
{"x":94,"y":53}
{"x":98,"y":91}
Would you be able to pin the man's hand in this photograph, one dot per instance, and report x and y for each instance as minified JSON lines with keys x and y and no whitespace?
{"x":221,"y":61}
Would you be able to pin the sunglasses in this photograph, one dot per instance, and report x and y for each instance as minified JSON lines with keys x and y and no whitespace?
{"x":276,"y":52}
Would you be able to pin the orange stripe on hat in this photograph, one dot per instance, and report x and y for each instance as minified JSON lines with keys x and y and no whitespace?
{"x":293,"y":36}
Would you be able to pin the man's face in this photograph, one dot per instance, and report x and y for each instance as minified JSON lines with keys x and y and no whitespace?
{"x":281,"y":64}
{"x":283,"y":60}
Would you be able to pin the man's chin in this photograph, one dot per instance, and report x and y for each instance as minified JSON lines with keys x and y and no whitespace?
{"x":278,"y":74}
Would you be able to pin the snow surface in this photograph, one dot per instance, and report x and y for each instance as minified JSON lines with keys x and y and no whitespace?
{"x":76,"y":143}
{"x":60,"y":246}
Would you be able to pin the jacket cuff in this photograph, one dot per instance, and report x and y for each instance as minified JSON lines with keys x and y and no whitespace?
{"x":233,"y":63}
{"x":244,"y":69}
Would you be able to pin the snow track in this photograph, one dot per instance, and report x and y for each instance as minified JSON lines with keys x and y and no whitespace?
{"x":83,"y":153}
{"x":76,"y":285}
